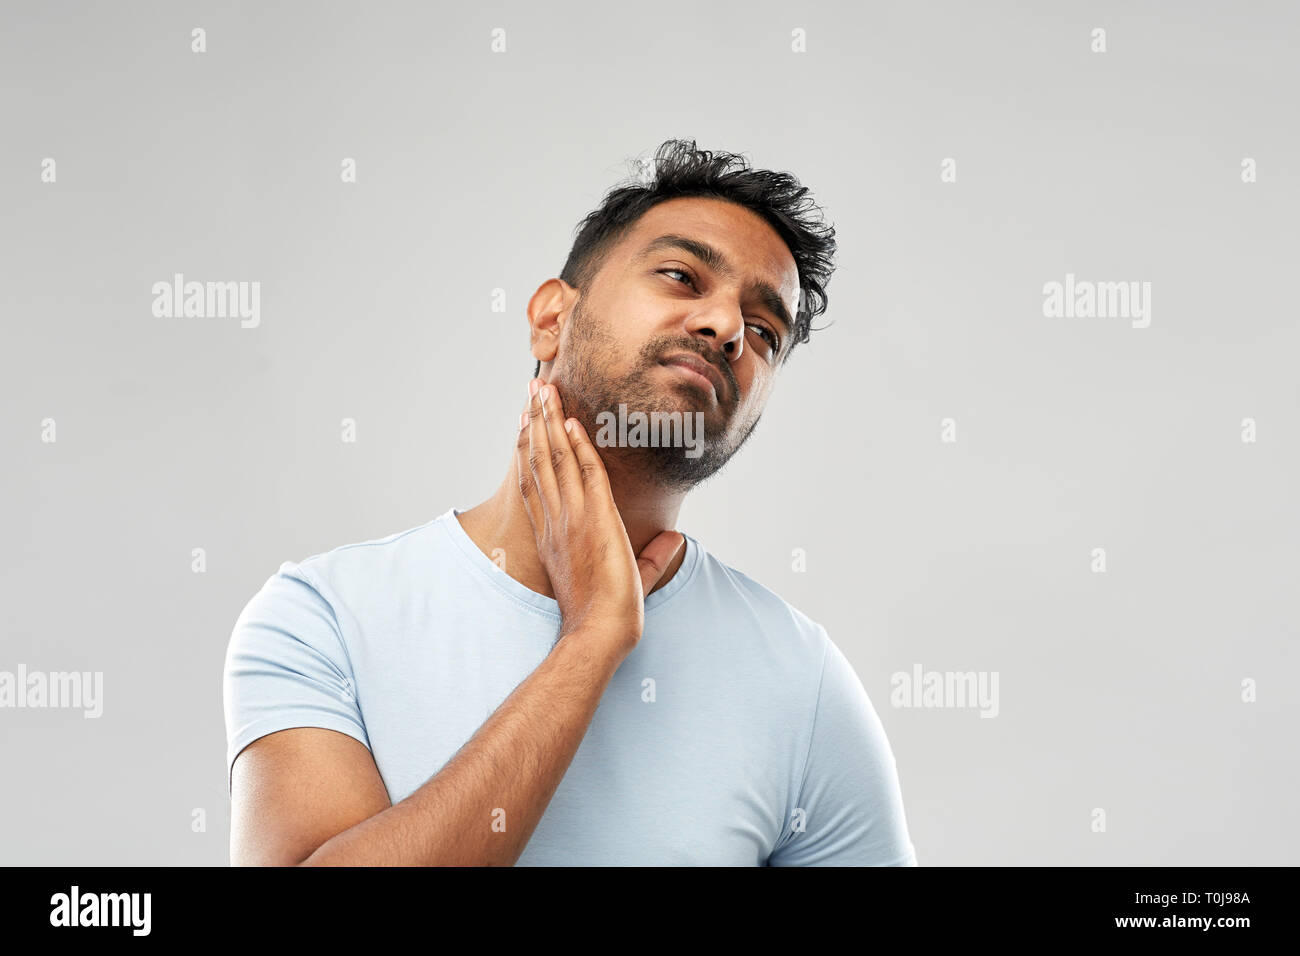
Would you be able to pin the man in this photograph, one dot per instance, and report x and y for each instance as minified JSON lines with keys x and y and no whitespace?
{"x":556,"y":677}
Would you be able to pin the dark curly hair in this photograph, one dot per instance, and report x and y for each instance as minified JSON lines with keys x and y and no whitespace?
{"x":680,"y":170}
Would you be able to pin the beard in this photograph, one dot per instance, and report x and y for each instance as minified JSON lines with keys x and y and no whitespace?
{"x":589,"y":392}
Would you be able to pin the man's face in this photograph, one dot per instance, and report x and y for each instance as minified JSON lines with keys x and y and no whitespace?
{"x":656,"y":299}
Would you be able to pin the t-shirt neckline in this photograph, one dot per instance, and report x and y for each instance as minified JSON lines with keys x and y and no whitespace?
{"x":449,"y":520}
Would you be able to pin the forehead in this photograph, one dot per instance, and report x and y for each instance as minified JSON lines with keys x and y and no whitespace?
{"x":742,"y":236}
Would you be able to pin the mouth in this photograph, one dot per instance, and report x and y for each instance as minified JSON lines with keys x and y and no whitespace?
{"x":697,"y":370}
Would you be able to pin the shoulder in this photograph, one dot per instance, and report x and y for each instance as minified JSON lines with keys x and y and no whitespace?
{"x":776,"y":639}
{"x":316,"y":599}
{"x":376,"y":558}
{"x":749,"y":597}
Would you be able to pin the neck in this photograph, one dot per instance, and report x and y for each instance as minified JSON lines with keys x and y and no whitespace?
{"x":502,"y":522}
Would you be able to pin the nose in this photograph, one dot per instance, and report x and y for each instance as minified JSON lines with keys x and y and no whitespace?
{"x":724,"y":326}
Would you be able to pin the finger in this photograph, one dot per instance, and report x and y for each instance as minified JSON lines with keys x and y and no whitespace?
{"x":524,"y":475}
{"x":656,"y":557}
{"x":595,"y":480}
{"x":539,"y":453}
{"x":563,"y":461}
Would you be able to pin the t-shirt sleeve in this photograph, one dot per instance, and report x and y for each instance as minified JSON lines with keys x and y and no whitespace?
{"x":851,"y":803}
{"x":287,"y":666}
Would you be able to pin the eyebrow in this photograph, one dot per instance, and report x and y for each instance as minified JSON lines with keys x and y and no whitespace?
{"x":715,"y":260}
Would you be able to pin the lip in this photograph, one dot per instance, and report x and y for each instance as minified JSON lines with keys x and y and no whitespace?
{"x":701,"y":368}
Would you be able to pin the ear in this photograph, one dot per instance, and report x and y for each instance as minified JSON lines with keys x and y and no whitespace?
{"x":548,"y":310}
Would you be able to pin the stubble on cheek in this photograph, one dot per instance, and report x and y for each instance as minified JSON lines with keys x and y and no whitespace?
{"x":591,"y":355}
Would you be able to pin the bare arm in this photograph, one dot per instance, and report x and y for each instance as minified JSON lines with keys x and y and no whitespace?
{"x":301,"y":786}
{"x":312,"y":796}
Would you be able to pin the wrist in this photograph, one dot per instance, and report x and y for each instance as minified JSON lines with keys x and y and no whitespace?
{"x":601,"y":645}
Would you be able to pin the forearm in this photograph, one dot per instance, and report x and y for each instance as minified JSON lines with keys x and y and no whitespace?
{"x":482,"y":807}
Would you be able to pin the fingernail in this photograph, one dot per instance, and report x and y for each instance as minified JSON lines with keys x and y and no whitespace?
{"x":532,"y":387}
{"x":523,"y":420}
{"x":546,"y":393}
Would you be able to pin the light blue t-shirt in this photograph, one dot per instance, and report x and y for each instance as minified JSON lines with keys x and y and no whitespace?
{"x":735,"y":734}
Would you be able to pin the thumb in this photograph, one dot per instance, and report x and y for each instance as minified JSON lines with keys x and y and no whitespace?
{"x":656,"y":556}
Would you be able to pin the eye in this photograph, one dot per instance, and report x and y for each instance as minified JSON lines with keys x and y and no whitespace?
{"x":772,"y":340}
{"x":690,"y":281}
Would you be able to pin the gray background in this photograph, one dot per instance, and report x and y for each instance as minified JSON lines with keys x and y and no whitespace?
{"x":1118,"y":690}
